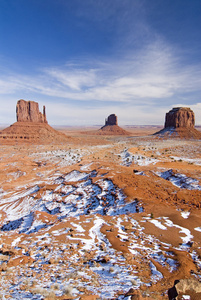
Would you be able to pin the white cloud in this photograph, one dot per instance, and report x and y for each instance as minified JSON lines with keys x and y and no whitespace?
{"x":152,"y":74}
{"x":130,"y":115}
{"x":150,"y":80}
{"x":73,"y":79}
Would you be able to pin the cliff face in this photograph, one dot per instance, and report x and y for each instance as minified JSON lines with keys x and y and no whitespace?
{"x":111,"y":120}
{"x":28,"y":111}
{"x":179,"y":123}
{"x":180,"y":117}
{"x":31,"y":127}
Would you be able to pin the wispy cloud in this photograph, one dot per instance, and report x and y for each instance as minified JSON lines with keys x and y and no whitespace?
{"x":150,"y":78}
{"x":155,"y":73}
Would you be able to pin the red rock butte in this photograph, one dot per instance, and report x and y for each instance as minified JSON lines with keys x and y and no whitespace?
{"x":111,"y":127}
{"x":111,"y":120}
{"x":28,"y":111}
{"x":180,"y":117}
{"x":180,"y":122}
{"x":31,"y":126}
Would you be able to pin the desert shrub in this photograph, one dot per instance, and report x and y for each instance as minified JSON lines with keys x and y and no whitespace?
{"x":67,"y":290}
{"x":56,"y":286}
{"x":40,"y":290}
{"x":134,"y":282}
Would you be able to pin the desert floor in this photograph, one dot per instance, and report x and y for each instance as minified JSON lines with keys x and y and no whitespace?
{"x":99,"y":215}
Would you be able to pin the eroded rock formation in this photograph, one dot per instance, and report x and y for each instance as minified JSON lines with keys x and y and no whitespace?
{"x":180,"y":117}
{"x":28,"y":111}
{"x":31,"y":127}
{"x":179,"y":123}
{"x":111,"y":127}
{"x":111,"y":120}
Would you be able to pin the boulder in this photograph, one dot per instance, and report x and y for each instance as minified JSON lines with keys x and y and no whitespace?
{"x":3,"y":267}
{"x":180,"y":117}
{"x":134,"y":294}
{"x":188,"y":284}
{"x":28,"y":111}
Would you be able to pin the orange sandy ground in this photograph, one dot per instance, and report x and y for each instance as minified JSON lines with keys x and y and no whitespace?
{"x":159,"y":198}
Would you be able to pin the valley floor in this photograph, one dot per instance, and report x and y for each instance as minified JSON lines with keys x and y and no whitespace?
{"x":99,"y":217}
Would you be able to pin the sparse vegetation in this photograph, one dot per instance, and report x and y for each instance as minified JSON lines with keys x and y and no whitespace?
{"x":67,"y":290}
{"x":81,"y":227}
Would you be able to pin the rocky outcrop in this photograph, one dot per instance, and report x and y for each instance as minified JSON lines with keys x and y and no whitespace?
{"x":179,"y":123}
{"x":28,"y":111}
{"x":185,"y":285}
{"x":31,"y":127}
{"x":111,"y":120}
{"x":180,"y":117}
{"x":111,"y":127}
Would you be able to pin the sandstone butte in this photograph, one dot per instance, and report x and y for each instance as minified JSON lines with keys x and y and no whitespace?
{"x":179,"y":122}
{"x":28,"y":111}
{"x":31,"y":126}
{"x":111,"y":127}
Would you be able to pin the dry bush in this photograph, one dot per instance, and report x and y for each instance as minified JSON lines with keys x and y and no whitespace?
{"x":67,"y":290}
{"x":40,"y":290}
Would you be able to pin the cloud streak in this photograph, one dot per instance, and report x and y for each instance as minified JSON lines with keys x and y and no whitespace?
{"x":153,"y":77}
{"x":153,"y":74}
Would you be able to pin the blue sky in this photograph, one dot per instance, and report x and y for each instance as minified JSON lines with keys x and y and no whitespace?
{"x":87,"y":59}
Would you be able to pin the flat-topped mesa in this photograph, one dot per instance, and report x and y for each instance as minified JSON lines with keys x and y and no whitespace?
{"x":111,"y":120}
{"x":28,"y":111}
{"x":180,"y":117}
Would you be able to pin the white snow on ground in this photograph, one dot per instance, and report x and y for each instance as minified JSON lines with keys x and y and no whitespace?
{"x":78,"y":227}
{"x":15,"y":241}
{"x":66,"y":200}
{"x":94,"y":233}
{"x":196,"y":161}
{"x":180,"y":180}
{"x":75,"y":194}
{"x":76,"y":176}
{"x":113,"y":270}
{"x":128,"y":159}
{"x":185,"y":214}
{"x":16,"y":175}
{"x":188,"y":236}
{"x":156,"y":275}
{"x":158,"y":224}
{"x":86,"y":167}
{"x":60,"y":158}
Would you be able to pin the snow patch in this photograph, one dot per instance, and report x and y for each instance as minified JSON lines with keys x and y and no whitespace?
{"x":180,"y":180}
